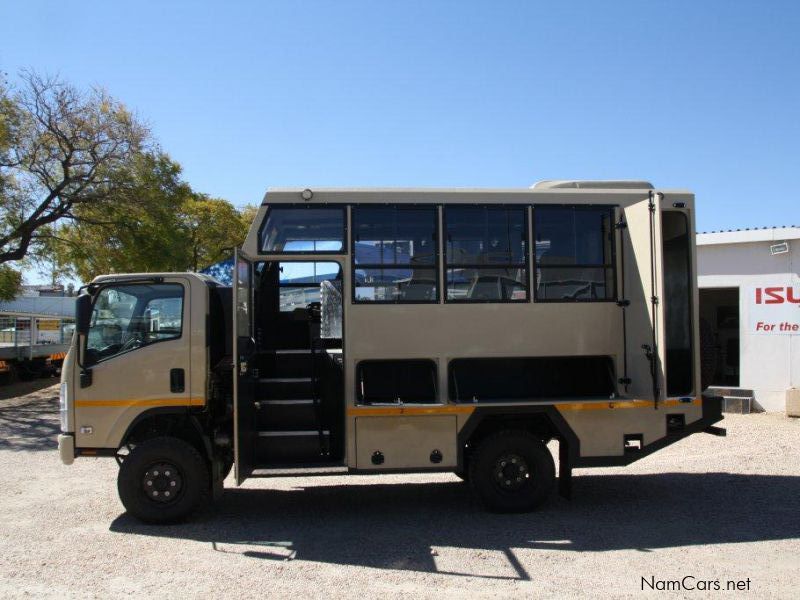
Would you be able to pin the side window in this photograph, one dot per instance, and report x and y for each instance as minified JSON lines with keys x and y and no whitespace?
{"x":394,"y":254}
{"x":487,"y":253}
{"x":300,"y":283}
{"x":396,"y":381}
{"x":303,"y":230}
{"x":574,"y":253}
{"x":522,"y":379}
{"x":127,"y":317}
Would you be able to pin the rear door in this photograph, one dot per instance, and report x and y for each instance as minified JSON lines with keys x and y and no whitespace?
{"x":244,"y":382}
{"x":641,"y":246}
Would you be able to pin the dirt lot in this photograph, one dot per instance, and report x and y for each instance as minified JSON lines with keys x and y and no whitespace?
{"x":711,"y":508}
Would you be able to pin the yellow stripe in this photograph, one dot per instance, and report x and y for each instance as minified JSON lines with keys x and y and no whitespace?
{"x":370,"y":411}
{"x":408,"y":410}
{"x":461,"y":409}
{"x":147,"y":402}
{"x":614,"y":404}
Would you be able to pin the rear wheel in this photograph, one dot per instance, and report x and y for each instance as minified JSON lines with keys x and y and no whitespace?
{"x":163,"y":480}
{"x":512,"y":471}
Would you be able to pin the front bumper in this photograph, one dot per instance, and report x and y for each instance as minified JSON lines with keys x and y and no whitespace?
{"x":66,"y":448}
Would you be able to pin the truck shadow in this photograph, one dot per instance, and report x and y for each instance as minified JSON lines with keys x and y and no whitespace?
{"x":424,"y":527}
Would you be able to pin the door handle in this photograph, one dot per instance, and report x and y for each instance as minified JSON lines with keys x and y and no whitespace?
{"x":177,"y":381}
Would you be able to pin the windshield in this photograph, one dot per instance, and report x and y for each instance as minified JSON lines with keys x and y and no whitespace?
{"x":127,"y":317}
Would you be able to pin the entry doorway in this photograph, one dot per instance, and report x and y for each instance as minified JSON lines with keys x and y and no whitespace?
{"x":719,"y":332}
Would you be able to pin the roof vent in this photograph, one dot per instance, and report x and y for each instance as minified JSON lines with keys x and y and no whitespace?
{"x":622,"y":184}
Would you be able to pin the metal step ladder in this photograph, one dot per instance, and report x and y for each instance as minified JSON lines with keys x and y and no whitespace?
{"x":290,"y":421}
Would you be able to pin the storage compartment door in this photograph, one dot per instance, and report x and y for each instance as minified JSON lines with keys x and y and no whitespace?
{"x":402,"y":442}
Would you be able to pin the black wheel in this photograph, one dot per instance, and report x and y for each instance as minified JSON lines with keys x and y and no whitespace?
{"x":512,"y":471}
{"x":163,"y":480}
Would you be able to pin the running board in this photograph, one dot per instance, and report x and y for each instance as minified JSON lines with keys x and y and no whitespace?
{"x":291,"y":433}
{"x":300,"y":471}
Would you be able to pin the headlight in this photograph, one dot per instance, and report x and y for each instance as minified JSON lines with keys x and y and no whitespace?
{"x":64,"y":408}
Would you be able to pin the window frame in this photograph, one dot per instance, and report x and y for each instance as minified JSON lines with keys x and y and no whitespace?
{"x":271,"y":207}
{"x":614,"y":297}
{"x":435,"y":267}
{"x":108,"y":285}
{"x":438,"y":399}
{"x":526,"y":230}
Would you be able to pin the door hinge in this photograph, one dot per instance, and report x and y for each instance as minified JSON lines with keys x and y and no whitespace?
{"x":621,"y":225}
{"x":623,"y":303}
{"x":654,"y":299}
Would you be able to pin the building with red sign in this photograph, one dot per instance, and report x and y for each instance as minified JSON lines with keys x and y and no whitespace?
{"x":750,"y":313}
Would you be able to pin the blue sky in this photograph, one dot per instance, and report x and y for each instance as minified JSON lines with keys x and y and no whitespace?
{"x":701,"y":95}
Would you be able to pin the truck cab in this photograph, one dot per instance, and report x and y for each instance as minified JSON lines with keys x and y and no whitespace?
{"x":139,"y":368}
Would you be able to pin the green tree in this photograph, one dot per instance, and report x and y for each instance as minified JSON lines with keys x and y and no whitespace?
{"x":10,"y":279}
{"x":139,"y":231}
{"x":213,"y":227}
{"x":60,"y":150}
{"x":157,"y":224}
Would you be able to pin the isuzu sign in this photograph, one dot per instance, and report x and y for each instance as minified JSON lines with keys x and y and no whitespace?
{"x":774,"y":310}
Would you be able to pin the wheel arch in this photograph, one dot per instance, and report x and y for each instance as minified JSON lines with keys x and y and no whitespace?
{"x":171,"y":421}
{"x":543,"y":420}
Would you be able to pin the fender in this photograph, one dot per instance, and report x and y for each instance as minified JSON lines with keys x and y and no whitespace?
{"x":513,"y":412}
{"x":179,"y":411}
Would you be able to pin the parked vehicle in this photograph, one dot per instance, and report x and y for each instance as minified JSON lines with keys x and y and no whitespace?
{"x":445,"y":330}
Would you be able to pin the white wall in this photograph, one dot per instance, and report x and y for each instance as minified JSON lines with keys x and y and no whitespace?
{"x":770,"y":362}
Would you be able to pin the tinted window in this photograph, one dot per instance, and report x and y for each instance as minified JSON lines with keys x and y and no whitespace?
{"x":394,"y":254}
{"x":303,"y":229}
{"x":396,"y":381}
{"x":524,"y":379}
{"x":574,"y":251}
{"x":486,"y":253}
{"x":677,"y":303}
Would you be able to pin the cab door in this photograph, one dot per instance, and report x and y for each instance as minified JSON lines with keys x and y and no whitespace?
{"x":245,"y":373}
{"x":641,"y":247}
{"x":136,"y":357}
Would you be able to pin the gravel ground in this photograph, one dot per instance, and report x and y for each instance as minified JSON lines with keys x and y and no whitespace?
{"x":711,"y":508}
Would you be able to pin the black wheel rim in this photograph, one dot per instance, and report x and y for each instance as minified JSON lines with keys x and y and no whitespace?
{"x":511,"y":472}
{"x":163,"y":483}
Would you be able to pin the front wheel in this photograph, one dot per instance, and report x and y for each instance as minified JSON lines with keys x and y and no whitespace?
{"x":512,"y":471}
{"x":163,"y":480}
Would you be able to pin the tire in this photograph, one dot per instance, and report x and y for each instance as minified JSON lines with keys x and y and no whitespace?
{"x":153,"y":471}
{"x":512,"y":471}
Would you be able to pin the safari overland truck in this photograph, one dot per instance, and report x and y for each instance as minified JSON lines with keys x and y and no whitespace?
{"x":386,"y":331}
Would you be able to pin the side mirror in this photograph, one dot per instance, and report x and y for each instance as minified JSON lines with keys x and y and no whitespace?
{"x":83,"y":314}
